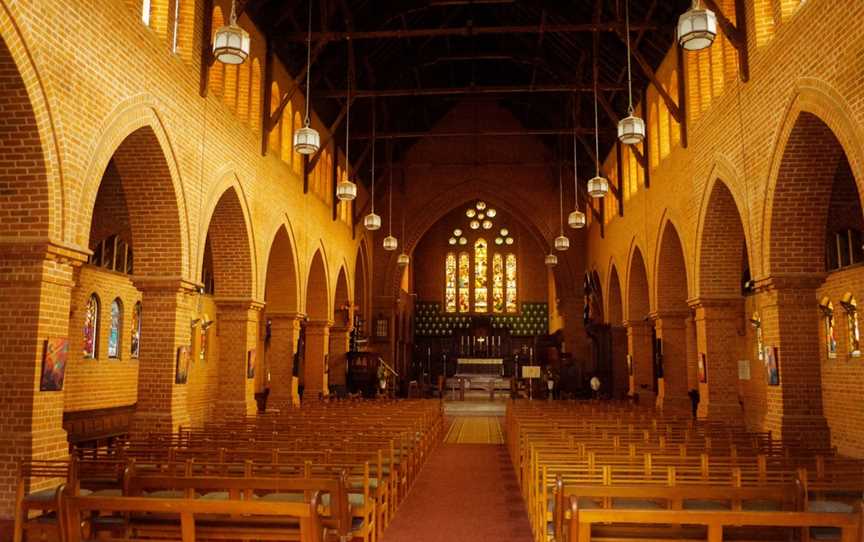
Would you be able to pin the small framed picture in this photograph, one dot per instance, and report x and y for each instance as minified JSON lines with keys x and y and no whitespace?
{"x":382,"y":327}
{"x":772,"y":365}
{"x":702,"y":369}
{"x":181,"y":372}
{"x":250,"y":364}
{"x":54,"y":358}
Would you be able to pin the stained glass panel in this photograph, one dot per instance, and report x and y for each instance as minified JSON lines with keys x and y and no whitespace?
{"x":510,"y":272}
{"x":497,"y":283}
{"x":854,"y":329}
{"x":135,"y":342}
{"x":830,"y":335}
{"x":91,"y":326}
{"x":114,"y":330}
{"x":450,"y":283}
{"x":464,"y":277}
{"x":481,"y":263}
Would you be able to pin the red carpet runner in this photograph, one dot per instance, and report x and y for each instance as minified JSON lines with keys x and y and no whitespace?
{"x":466,"y":492}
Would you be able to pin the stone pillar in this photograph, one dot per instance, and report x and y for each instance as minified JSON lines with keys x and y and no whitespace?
{"x":640,"y":349}
{"x":621,"y":379}
{"x":718,"y":336}
{"x":36,"y":281}
{"x":284,"y":330}
{"x":167,"y":309}
{"x":338,"y":373}
{"x":692,"y":352}
{"x":237,"y":323}
{"x":671,"y":330}
{"x":317,"y":347}
{"x":790,"y":322}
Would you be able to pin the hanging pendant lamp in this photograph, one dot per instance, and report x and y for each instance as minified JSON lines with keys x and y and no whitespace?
{"x":575,"y":219}
{"x":231,"y":42}
{"x":345,"y":189}
{"x":551,"y":260}
{"x":372,"y":221}
{"x":403,"y":259}
{"x":390,"y":243}
{"x":598,"y":186}
{"x":631,"y":129}
{"x":697,"y":28}
{"x":306,"y":139}
{"x":561,"y":242}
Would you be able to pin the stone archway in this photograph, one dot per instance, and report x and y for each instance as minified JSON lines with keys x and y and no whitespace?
{"x":639,"y":333}
{"x":339,"y":334}
{"x":319,"y":312}
{"x":615,"y":319}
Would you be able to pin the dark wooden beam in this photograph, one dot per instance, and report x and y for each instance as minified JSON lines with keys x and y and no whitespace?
{"x":682,"y":94}
{"x":206,"y":47}
{"x":482,"y":133}
{"x":539,"y":46}
{"x":297,"y":82}
{"x":447,"y":91}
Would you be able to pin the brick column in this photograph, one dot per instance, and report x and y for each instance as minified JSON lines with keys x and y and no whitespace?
{"x":338,"y":373}
{"x":692,"y":352}
{"x":719,"y":337}
{"x":790,"y":322}
{"x":36,"y":281}
{"x":237,"y":323}
{"x":621,"y":380}
{"x":317,"y":346}
{"x":671,"y":329}
{"x":167,"y":309}
{"x":284,"y":330}
{"x":639,"y":348}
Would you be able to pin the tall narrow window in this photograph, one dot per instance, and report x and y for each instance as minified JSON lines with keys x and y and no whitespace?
{"x":450,"y":283}
{"x":850,"y":305}
{"x":464,"y":277}
{"x":827,"y":309}
{"x":176,"y":29}
{"x":275,"y":134}
{"x":511,"y":283}
{"x":145,"y":12}
{"x":91,"y":327}
{"x":497,"y":283}
{"x":481,"y":263}
{"x":114,"y":330}
{"x":135,"y":340}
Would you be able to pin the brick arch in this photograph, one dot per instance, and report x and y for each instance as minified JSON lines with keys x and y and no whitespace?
{"x":229,"y":232}
{"x":722,"y":245}
{"x":812,"y":158}
{"x":317,"y":288}
{"x":361,"y":279}
{"x":638,"y":296}
{"x":614,"y":302}
{"x":281,"y":287}
{"x":671,"y":274}
{"x":32,"y":134}
{"x":342,"y":292}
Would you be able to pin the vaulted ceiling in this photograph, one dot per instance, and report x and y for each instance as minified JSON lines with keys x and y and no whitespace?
{"x":413,"y":60}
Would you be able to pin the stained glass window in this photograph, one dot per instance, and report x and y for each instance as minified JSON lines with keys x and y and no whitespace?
{"x":91,"y":327}
{"x":450,"y":286}
{"x":830,"y":334}
{"x":481,"y":279}
{"x":464,"y":277}
{"x":510,"y":271}
{"x":135,"y":342}
{"x":114,"y":330}
{"x":497,"y":283}
{"x":851,"y":307}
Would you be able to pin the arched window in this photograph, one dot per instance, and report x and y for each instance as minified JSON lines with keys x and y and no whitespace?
{"x":145,"y":12}
{"x":828,"y":322}
{"x":850,"y":305}
{"x":255,"y":96}
{"x":91,"y":327}
{"x":510,"y":269}
{"x":287,"y":135}
{"x":114,"y":330}
{"x":243,"y":92}
{"x":464,"y":278}
{"x":497,"y":283}
{"x":481,"y":278}
{"x":274,"y":138}
{"x":450,"y":282}
{"x":135,"y":340}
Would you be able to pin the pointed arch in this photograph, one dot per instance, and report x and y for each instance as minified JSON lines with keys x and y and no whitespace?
{"x":722,"y":251}
{"x":229,"y":232}
{"x":670,"y":271}
{"x":318,"y":306}
{"x":638,"y":292}
{"x":281,"y":284}
{"x":614,"y":300}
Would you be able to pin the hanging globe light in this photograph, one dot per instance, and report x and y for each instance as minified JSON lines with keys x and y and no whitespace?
{"x":390,"y":243}
{"x":372,"y":221}
{"x":509,"y":240}
{"x":562,"y":242}
{"x":598,"y":187}
{"x":346,"y":190}
{"x":491,"y":213}
{"x":697,"y":28}
{"x":487,"y":224}
{"x":403,"y":260}
{"x":470,"y":213}
{"x":551,"y":260}
{"x":452,"y":241}
{"x":457,"y":232}
{"x":576,"y":220}
{"x":481,"y":205}
{"x":499,"y":241}
{"x":306,"y":139}
{"x":231,"y":42}
{"x":631,"y":130}
{"x":504,"y":232}
{"x":463,"y":241}
{"x":475,"y":224}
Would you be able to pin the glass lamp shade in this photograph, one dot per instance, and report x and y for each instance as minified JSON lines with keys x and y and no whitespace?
{"x":306,"y":140}
{"x":372,"y":222}
{"x":475,"y":224}
{"x":551,"y":260}
{"x":598,"y":187}
{"x":499,"y":241}
{"x":487,"y":224}
{"x":463,"y":241}
{"x":457,"y":232}
{"x":576,"y":220}
{"x":231,"y":44}
{"x":452,"y":241}
{"x":481,"y":205}
{"x":509,"y":240}
{"x":491,"y":213}
{"x":504,"y":232}
{"x":697,"y":28}
{"x":470,"y":213}
{"x":403,"y":260}
{"x":562,"y":242}
{"x":390,"y":243}
{"x":631,"y":130}
{"x":346,"y":190}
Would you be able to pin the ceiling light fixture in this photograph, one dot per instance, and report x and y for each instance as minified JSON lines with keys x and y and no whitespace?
{"x":575,"y":219}
{"x":697,"y":28}
{"x":372,"y":221}
{"x":561,"y":242}
{"x":345,"y":189}
{"x":631,"y":129}
{"x":598,"y":186}
{"x":231,"y":42}
{"x":551,"y":260}
{"x":306,"y":139}
{"x":390,"y":243}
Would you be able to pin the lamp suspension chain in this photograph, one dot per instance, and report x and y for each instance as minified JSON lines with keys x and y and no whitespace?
{"x":575,"y":161}
{"x":629,"y":78}
{"x":308,"y":121}
{"x":560,"y":191}
{"x":596,"y":131}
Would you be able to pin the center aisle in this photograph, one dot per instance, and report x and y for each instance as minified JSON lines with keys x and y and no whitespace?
{"x":466,"y":492}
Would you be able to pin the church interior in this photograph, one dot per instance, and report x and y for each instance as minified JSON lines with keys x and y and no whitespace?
{"x":427,"y":270}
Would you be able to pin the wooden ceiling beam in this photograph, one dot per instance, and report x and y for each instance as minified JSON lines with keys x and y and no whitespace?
{"x":607,"y":107}
{"x":444,"y":91}
{"x":481,"y":133}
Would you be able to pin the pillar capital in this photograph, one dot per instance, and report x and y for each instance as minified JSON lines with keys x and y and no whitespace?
{"x":238,"y":304}
{"x":32,"y":248}
{"x":285,"y":315}
{"x":318,"y":324}
{"x":639,"y":324}
{"x":790,"y":281}
{"x":669,"y":315}
{"x":725,"y":302}
{"x":172,"y":285}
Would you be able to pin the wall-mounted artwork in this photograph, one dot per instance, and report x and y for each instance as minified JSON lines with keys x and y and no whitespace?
{"x":702,"y":369}
{"x":91,"y":327}
{"x":54,"y":359}
{"x":181,"y":373}
{"x":250,"y":364}
{"x":772,"y":365}
{"x":135,"y":340}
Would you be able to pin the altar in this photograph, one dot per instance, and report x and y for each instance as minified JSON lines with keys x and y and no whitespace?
{"x":480,"y":366}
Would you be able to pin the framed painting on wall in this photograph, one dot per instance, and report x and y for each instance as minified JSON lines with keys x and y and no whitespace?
{"x":54,"y":358}
{"x":181,"y":372}
{"x":250,"y":364}
{"x":772,"y":365}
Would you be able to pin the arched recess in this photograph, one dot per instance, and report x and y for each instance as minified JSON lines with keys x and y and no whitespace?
{"x":615,"y":319}
{"x":671,"y":317}
{"x":230,"y":238}
{"x":361,"y":286}
{"x":640,"y":341}
{"x":723,"y":256}
{"x":281,"y":286}
{"x":638,"y":304}
{"x":341,"y":297}
{"x":318,"y":309}
{"x":339,"y":334}
{"x":317,"y":288}
{"x":614,"y":304}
